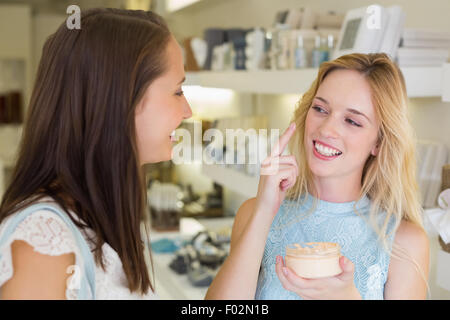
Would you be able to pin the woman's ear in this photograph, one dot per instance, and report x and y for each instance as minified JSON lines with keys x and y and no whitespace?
{"x":375,"y":149}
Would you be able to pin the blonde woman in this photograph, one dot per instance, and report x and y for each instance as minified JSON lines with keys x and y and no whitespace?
{"x":350,"y":179}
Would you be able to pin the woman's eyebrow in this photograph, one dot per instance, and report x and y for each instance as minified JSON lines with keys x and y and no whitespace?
{"x":322,"y":99}
{"x":358,"y":113}
{"x":182,"y":80}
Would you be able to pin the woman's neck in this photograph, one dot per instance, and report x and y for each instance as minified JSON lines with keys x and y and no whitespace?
{"x":337,"y":189}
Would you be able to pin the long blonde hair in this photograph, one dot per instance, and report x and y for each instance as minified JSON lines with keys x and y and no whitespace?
{"x":388,"y":179}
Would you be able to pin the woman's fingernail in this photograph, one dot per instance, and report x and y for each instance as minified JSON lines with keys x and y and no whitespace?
{"x":285,"y":271}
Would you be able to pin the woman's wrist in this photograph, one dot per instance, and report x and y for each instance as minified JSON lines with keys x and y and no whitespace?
{"x":354,"y":294}
{"x":263,"y":215}
{"x":238,"y":276}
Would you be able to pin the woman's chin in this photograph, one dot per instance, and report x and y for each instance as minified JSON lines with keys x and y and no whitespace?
{"x":319,"y":170}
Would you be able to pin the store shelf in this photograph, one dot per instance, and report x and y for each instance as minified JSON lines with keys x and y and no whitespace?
{"x":423,"y":81}
{"x":234,"y":180}
{"x":263,"y":81}
{"x":420,"y":81}
{"x":173,"y":6}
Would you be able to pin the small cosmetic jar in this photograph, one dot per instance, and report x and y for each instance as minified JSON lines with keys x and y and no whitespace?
{"x":314,"y":259}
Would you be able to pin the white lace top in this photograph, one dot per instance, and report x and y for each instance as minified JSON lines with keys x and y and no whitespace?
{"x":46,"y":232}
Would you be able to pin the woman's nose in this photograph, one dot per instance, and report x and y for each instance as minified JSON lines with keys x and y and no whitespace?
{"x":187,"y":111}
{"x":329,"y":128}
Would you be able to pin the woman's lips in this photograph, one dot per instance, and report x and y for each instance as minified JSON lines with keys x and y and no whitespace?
{"x":326,"y":145}
{"x":172,"y":136}
{"x":320,"y":156}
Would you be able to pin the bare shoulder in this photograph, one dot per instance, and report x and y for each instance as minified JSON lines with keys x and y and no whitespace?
{"x":36,"y":275}
{"x":408,"y":275}
{"x":412,"y":238}
{"x":241,"y":219}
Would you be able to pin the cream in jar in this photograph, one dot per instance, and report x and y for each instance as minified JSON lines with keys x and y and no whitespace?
{"x":314,"y":259}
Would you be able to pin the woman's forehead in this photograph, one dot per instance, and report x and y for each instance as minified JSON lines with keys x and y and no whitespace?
{"x":347,"y":89}
{"x":175,"y":58}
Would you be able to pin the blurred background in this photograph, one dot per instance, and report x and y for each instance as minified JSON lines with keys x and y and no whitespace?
{"x":247,"y":64}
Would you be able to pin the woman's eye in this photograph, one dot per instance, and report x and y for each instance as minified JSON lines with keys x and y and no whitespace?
{"x":353,"y":122}
{"x":318,"y":109}
{"x":179,"y":93}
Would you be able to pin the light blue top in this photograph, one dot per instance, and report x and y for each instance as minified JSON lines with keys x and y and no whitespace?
{"x":86,"y":284}
{"x":330,"y":222}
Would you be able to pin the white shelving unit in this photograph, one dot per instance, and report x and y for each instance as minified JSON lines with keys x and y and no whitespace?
{"x":173,"y":6}
{"x":263,"y":81}
{"x":420,"y":81}
{"x":169,"y":8}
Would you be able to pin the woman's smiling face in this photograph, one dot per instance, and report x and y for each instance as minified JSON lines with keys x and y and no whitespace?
{"x":341,"y":129}
{"x":162,"y":109}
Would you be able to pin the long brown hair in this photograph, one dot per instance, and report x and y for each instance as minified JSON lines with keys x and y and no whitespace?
{"x":79,"y":141}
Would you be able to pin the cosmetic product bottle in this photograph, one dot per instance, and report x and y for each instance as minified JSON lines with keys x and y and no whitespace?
{"x":316,"y":53}
{"x":330,"y":48}
{"x":254,"y":51}
{"x":314,"y":259}
{"x":239,"y":50}
{"x":273,"y":50}
{"x":324,"y":51}
{"x":300,"y":54}
{"x":321,"y":51}
{"x":284,"y":56}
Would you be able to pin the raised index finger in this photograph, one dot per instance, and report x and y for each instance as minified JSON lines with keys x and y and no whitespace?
{"x":283,"y":141}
